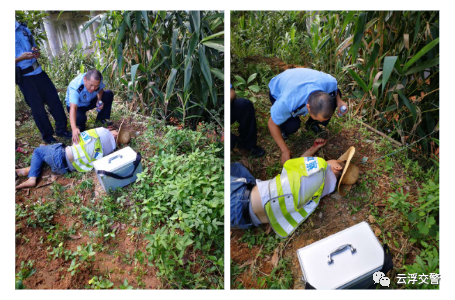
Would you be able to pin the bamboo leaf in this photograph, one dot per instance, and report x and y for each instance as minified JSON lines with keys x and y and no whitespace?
{"x":213,"y":36}
{"x":218,"y":73}
{"x":421,"y":53}
{"x":359,"y":80}
{"x":359,"y":31}
{"x":347,"y":19}
{"x":196,"y":17}
{"x":215,"y":44}
{"x":127,"y":18}
{"x":146,"y":19}
{"x":170,"y":84}
{"x":205,"y":68}
{"x":122,"y":32}
{"x":90,"y":23}
{"x":417,"y":27}
{"x":153,"y":59}
{"x":139,"y":23}
{"x":426,"y":65}
{"x":389,"y":62}
{"x":174,"y":45}
{"x":373,"y":56}
{"x":187,"y":76}
{"x":162,"y":14}
{"x":408,"y":104}
{"x":133,"y":73}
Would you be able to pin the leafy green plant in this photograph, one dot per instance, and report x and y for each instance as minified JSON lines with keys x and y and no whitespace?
{"x":181,"y":192}
{"x":398,"y":200}
{"x":125,"y":285}
{"x":25,"y":272}
{"x":426,"y":263}
{"x":100,"y":283}
{"x":83,"y":256}
{"x":424,"y":219}
{"x":243,"y":89}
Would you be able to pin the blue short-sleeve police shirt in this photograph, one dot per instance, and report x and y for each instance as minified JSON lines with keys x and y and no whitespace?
{"x":24,"y":43}
{"x":78,"y":94}
{"x":292,"y":88}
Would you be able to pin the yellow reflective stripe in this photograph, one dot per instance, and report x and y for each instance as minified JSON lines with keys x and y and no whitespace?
{"x":84,"y":158}
{"x":286,"y":206}
{"x":273,"y":222}
{"x":276,"y":208}
{"x":291,"y":206}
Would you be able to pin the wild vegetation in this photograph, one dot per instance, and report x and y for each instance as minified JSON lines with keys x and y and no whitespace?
{"x":166,"y":229}
{"x":387,"y":68}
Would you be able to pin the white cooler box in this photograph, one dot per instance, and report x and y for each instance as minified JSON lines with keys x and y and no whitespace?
{"x":344,"y":260}
{"x":118,"y":168}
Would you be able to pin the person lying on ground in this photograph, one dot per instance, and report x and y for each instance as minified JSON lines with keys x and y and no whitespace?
{"x":93,"y":144}
{"x":298,"y":92}
{"x":288,"y":199}
{"x":242,"y":111}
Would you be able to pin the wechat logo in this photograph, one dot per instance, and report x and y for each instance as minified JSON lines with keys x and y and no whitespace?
{"x":379,"y":277}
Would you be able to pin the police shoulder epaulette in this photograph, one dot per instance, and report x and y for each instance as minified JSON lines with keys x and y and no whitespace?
{"x":81,"y":87}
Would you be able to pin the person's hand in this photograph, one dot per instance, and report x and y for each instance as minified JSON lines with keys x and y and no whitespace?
{"x":101,"y":106}
{"x":76,"y":133}
{"x":285,"y":156}
{"x":36,"y":54}
{"x":339,"y":105}
{"x":26,"y":55}
{"x":318,"y":143}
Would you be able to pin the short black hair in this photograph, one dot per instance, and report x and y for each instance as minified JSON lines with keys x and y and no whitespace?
{"x":94,"y":74}
{"x":322,"y":103}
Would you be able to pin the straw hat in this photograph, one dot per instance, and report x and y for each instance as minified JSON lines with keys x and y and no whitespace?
{"x":124,"y":136}
{"x":350,"y":173}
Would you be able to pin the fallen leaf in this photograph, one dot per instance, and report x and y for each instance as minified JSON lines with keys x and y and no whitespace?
{"x":371,"y":219}
{"x":75,"y":237}
{"x":377,"y":231}
{"x":248,"y":262}
{"x":275,"y":259}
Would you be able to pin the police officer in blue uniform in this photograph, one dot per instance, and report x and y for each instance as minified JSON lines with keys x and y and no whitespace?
{"x":37,"y":88}
{"x":298,"y":92}
{"x":85,"y":92}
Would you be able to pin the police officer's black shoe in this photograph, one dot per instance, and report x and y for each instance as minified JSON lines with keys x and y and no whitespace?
{"x":284,"y":135}
{"x":50,"y":140}
{"x":257,"y":151}
{"x":65,"y":134}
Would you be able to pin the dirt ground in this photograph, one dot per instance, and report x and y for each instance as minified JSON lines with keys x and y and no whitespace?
{"x":365,"y":202}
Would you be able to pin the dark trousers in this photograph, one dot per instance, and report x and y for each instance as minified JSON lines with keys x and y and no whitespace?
{"x":104,"y":114}
{"x":292,"y":124}
{"x":242,"y":111}
{"x":39,"y":90}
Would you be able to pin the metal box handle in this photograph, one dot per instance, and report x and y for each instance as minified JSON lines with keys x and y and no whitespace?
{"x":112,"y":158}
{"x":338,"y":250}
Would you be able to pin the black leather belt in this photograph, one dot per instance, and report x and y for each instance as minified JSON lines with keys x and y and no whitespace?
{"x":27,"y":70}
{"x":246,"y":204}
{"x":65,"y":164}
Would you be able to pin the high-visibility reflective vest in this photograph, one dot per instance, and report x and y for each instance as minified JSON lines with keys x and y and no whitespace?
{"x":284,"y":208}
{"x":83,"y":160}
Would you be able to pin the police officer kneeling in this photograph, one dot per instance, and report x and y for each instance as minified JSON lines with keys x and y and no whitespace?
{"x":85,"y":92}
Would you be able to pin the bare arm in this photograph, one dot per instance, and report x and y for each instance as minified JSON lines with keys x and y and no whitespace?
{"x":74,"y":129}
{"x":275,"y":131}
{"x":318,"y":143}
